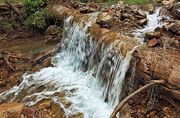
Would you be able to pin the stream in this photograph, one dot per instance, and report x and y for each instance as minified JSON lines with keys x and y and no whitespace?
{"x":91,"y":75}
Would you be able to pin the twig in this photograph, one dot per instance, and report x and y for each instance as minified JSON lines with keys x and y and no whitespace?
{"x":3,"y":36}
{"x":8,"y":63}
{"x":13,"y":7}
{"x":123,"y":102}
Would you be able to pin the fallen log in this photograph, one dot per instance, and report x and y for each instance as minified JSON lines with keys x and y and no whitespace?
{"x":123,"y":102}
{"x":157,"y":63}
{"x":153,"y":62}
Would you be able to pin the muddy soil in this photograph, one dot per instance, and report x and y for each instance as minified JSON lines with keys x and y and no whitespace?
{"x":19,"y":47}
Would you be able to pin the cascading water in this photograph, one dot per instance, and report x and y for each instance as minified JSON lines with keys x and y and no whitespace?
{"x":94,"y":97}
{"x":153,"y":22}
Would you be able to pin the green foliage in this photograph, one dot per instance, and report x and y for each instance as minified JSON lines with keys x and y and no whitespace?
{"x":5,"y":25}
{"x":137,"y":1}
{"x":35,"y":13}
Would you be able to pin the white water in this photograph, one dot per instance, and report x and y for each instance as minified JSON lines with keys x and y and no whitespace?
{"x":94,"y":97}
{"x":154,"y":21}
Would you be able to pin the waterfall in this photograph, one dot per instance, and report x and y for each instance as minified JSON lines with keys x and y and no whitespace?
{"x":154,"y":21}
{"x":74,"y":66}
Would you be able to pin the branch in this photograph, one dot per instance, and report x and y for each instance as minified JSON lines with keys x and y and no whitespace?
{"x":123,"y":102}
{"x":7,"y":62}
{"x":13,"y":7}
{"x":1,"y":38}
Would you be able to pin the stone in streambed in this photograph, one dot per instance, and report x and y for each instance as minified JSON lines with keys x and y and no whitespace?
{"x":175,"y":27}
{"x":28,"y":112}
{"x":105,"y":19}
{"x":153,"y":42}
{"x":142,"y":22}
{"x":11,"y":110}
{"x":151,"y":35}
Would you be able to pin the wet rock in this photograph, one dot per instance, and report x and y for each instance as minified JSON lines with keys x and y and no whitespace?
{"x":88,"y":8}
{"x":44,"y":104}
{"x":105,"y":19}
{"x":153,"y":42}
{"x":142,"y":22}
{"x":176,"y":10}
{"x":11,"y":110}
{"x":4,"y":74}
{"x":58,"y":110}
{"x":175,"y":27}
{"x":53,"y":35}
{"x":168,"y":4}
{"x":28,"y":112}
{"x":79,"y":115}
{"x":151,"y":35}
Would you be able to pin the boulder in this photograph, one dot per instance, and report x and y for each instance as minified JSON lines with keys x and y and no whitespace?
{"x":151,"y":35}
{"x":175,"y":27}
{"x":11,"y":110}
{"x":142,"y":22}
{"x":153,"y":42}
{"x":176,"y":10}
{"x":168,"y":4}
{"x":105,"y":19}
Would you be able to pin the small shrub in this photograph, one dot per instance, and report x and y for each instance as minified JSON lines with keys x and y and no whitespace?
{"x":36,"y":14}
{"x":5,"y":25}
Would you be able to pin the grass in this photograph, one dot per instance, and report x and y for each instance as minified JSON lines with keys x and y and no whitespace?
{"x":137,"y":1}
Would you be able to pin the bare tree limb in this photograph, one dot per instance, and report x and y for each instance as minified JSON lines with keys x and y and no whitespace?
{"x":8,"y":63}
{"x":1,"y":38}
{"x":123,"y":102}
{"x":13,"y":7}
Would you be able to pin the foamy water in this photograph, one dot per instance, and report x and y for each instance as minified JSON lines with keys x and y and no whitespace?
{"x":95,"y":97}
{"x":154,"y":21}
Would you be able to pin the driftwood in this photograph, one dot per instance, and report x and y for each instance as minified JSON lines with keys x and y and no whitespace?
{"x":123,"y":102}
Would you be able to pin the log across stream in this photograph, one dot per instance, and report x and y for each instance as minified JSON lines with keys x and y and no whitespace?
{"x":90,"y":68}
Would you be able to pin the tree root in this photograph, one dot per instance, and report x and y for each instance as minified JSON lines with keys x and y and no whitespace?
{"x":123,"y":102}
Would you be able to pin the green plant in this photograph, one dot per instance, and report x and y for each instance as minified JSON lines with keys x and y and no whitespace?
{"x":5,"y":25}
{"x":36,"y":14}
{"x":137,"y":1}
